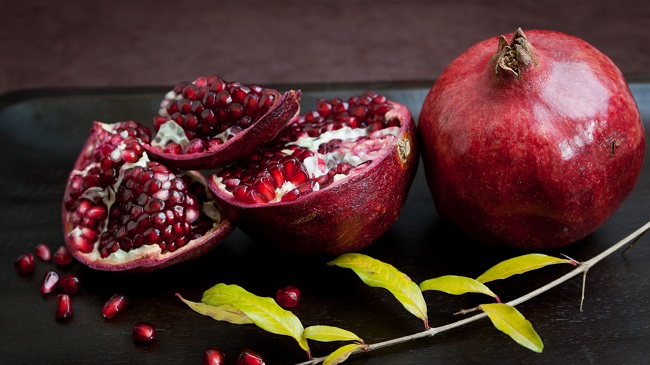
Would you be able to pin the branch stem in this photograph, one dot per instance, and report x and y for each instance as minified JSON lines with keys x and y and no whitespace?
{"x":582,"y":268}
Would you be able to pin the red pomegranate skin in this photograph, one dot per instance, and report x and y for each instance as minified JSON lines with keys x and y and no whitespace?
{"x":344,"y":217}
{"x":537,"y":161}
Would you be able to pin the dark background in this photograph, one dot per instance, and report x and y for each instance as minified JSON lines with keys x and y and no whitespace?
{"x":112,"y":60}
{"x":149,"y":42}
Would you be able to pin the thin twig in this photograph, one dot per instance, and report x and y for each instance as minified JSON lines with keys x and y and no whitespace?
{"x":582,"y":268}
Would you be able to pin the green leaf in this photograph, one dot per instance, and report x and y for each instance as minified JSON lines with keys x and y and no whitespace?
{"x":520,"y":265}
{"x":508,"y":320}
{"x":225,"y":312}
{"x":329,"y":333}
{"x":341,"y":354}
{"x":456,"y":285}
{"x":379,"y":274}
{"x":263,"y":311}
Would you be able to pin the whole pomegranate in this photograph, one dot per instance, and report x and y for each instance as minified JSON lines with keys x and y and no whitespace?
{"x":123,"y":212}
{"x":532,"y":143}
{"x":333,"y":181}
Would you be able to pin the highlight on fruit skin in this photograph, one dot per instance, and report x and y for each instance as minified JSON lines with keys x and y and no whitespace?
{"x":530,"y":140}
{"x":211,"y":122}
{"x":333,"y":181}
{"x":122,"y":212}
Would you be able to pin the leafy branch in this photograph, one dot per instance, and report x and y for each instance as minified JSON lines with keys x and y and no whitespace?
{"x":234,"y":304}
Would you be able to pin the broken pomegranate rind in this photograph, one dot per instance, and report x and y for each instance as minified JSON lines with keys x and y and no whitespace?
{"x":333,"y":181}
{"x":124,"y":212}
{"x":210,"y":122}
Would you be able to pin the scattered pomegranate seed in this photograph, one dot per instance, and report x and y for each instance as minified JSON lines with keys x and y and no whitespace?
{"x":288,"y":297}
{"x":70,"y":284}
{"x":62,"y":256}
{"x":144,"y":332}
{"x":24,"y":264}
{"x":43,"y":252}
{"x":249,"y":357}
{"x":213,"y":357}
{"x":114,"y":306}
{"x":63,"y":306}
{"x":50,"y":282}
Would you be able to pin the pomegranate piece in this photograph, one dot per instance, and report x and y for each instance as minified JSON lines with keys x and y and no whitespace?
{"x":329,"y":183}
{"x":63,"y":307}
{"x":122,"y":212}
{"x":211,"y":122}
{"x":24,"y":264}
{"x":62,"y":256}
{"x":536,"y":145}
{"x":114,"y":306}
{"x":144,"y":332}
{"x":70,"y":284}
{"x":250,"y":357}
{"x":43,"y":252}
{"x":288,"y":297}
{"x":213,"y":357}
{"x":50,"y":282}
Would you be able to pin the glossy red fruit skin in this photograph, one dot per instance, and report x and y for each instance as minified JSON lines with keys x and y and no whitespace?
{"x":144,"y":332}
{"x":288,"y":297}
{"x":533,"y":162}
{"x":243,"y":144}
{"x":24,"y":264}
{"x":249,"y":357}
{"x":63,"y":307}
{"x":347,"y":215}
{"x":213,"y":357}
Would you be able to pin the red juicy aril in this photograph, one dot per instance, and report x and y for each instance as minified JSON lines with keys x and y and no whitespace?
{"x":532,"y":142}
{"x":333,"y":181}
{"x":124,"y":212}
{"x":211,"y":122}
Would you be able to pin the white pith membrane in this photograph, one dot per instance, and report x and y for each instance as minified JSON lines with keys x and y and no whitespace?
{"x":354,"y":149}
{"x":107,"y":196}
{"x":171,"y":132}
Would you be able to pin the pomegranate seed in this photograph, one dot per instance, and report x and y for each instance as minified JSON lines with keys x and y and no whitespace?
{"x":288,"y":297}
{"x":213,"y":357}
{"x":144,"y":332}
{"x":43,"y":252}
{"x":70,"y":284}
{"x":62,"y":256}
{"x":24,"y":264}
{"x":50,"y":282}
{"x":63,"y":307}
{"x":249,"y":357}
{"x":114,"y":306}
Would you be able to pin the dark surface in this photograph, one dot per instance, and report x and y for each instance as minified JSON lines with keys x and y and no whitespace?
{"x":43,"y":132}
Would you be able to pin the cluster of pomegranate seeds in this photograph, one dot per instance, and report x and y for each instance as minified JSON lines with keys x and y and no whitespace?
{"x":144,"y":332}
{"x":63,"y":307}
{"x":211,"y":110}
{"x":250,"y":357}
{"x":114,"y":306}
{"x":154,"y":206}
{"x":213,"y":356}
{"x":24,"y":264}
{"x":288,"y":297}
{"x":311,"y":151}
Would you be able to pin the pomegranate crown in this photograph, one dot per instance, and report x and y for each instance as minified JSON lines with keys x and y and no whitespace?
{"x":511,"y":58}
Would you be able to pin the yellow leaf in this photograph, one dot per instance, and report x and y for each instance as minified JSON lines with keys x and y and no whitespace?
{"x":508,"y":320}
{"x":520,"y":265}
{"x":341,"y":354}
{"x":329,"y":333}
{"x":225,"y":312}
{"x":456,"y":285}
{"x":376,"y":273}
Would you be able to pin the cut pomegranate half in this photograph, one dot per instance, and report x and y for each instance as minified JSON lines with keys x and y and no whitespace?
{"x":212,"y":122}
{"x":123,"y":212}
{"x":333,"y":181}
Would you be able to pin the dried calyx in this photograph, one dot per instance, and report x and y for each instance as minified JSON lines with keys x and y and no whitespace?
{"x":514,"y":57}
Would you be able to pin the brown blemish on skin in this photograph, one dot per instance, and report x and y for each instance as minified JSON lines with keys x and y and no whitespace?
{"x":304,"y":219}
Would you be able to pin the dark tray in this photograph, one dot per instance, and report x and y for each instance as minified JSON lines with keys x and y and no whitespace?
{"x":43,"y":131}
